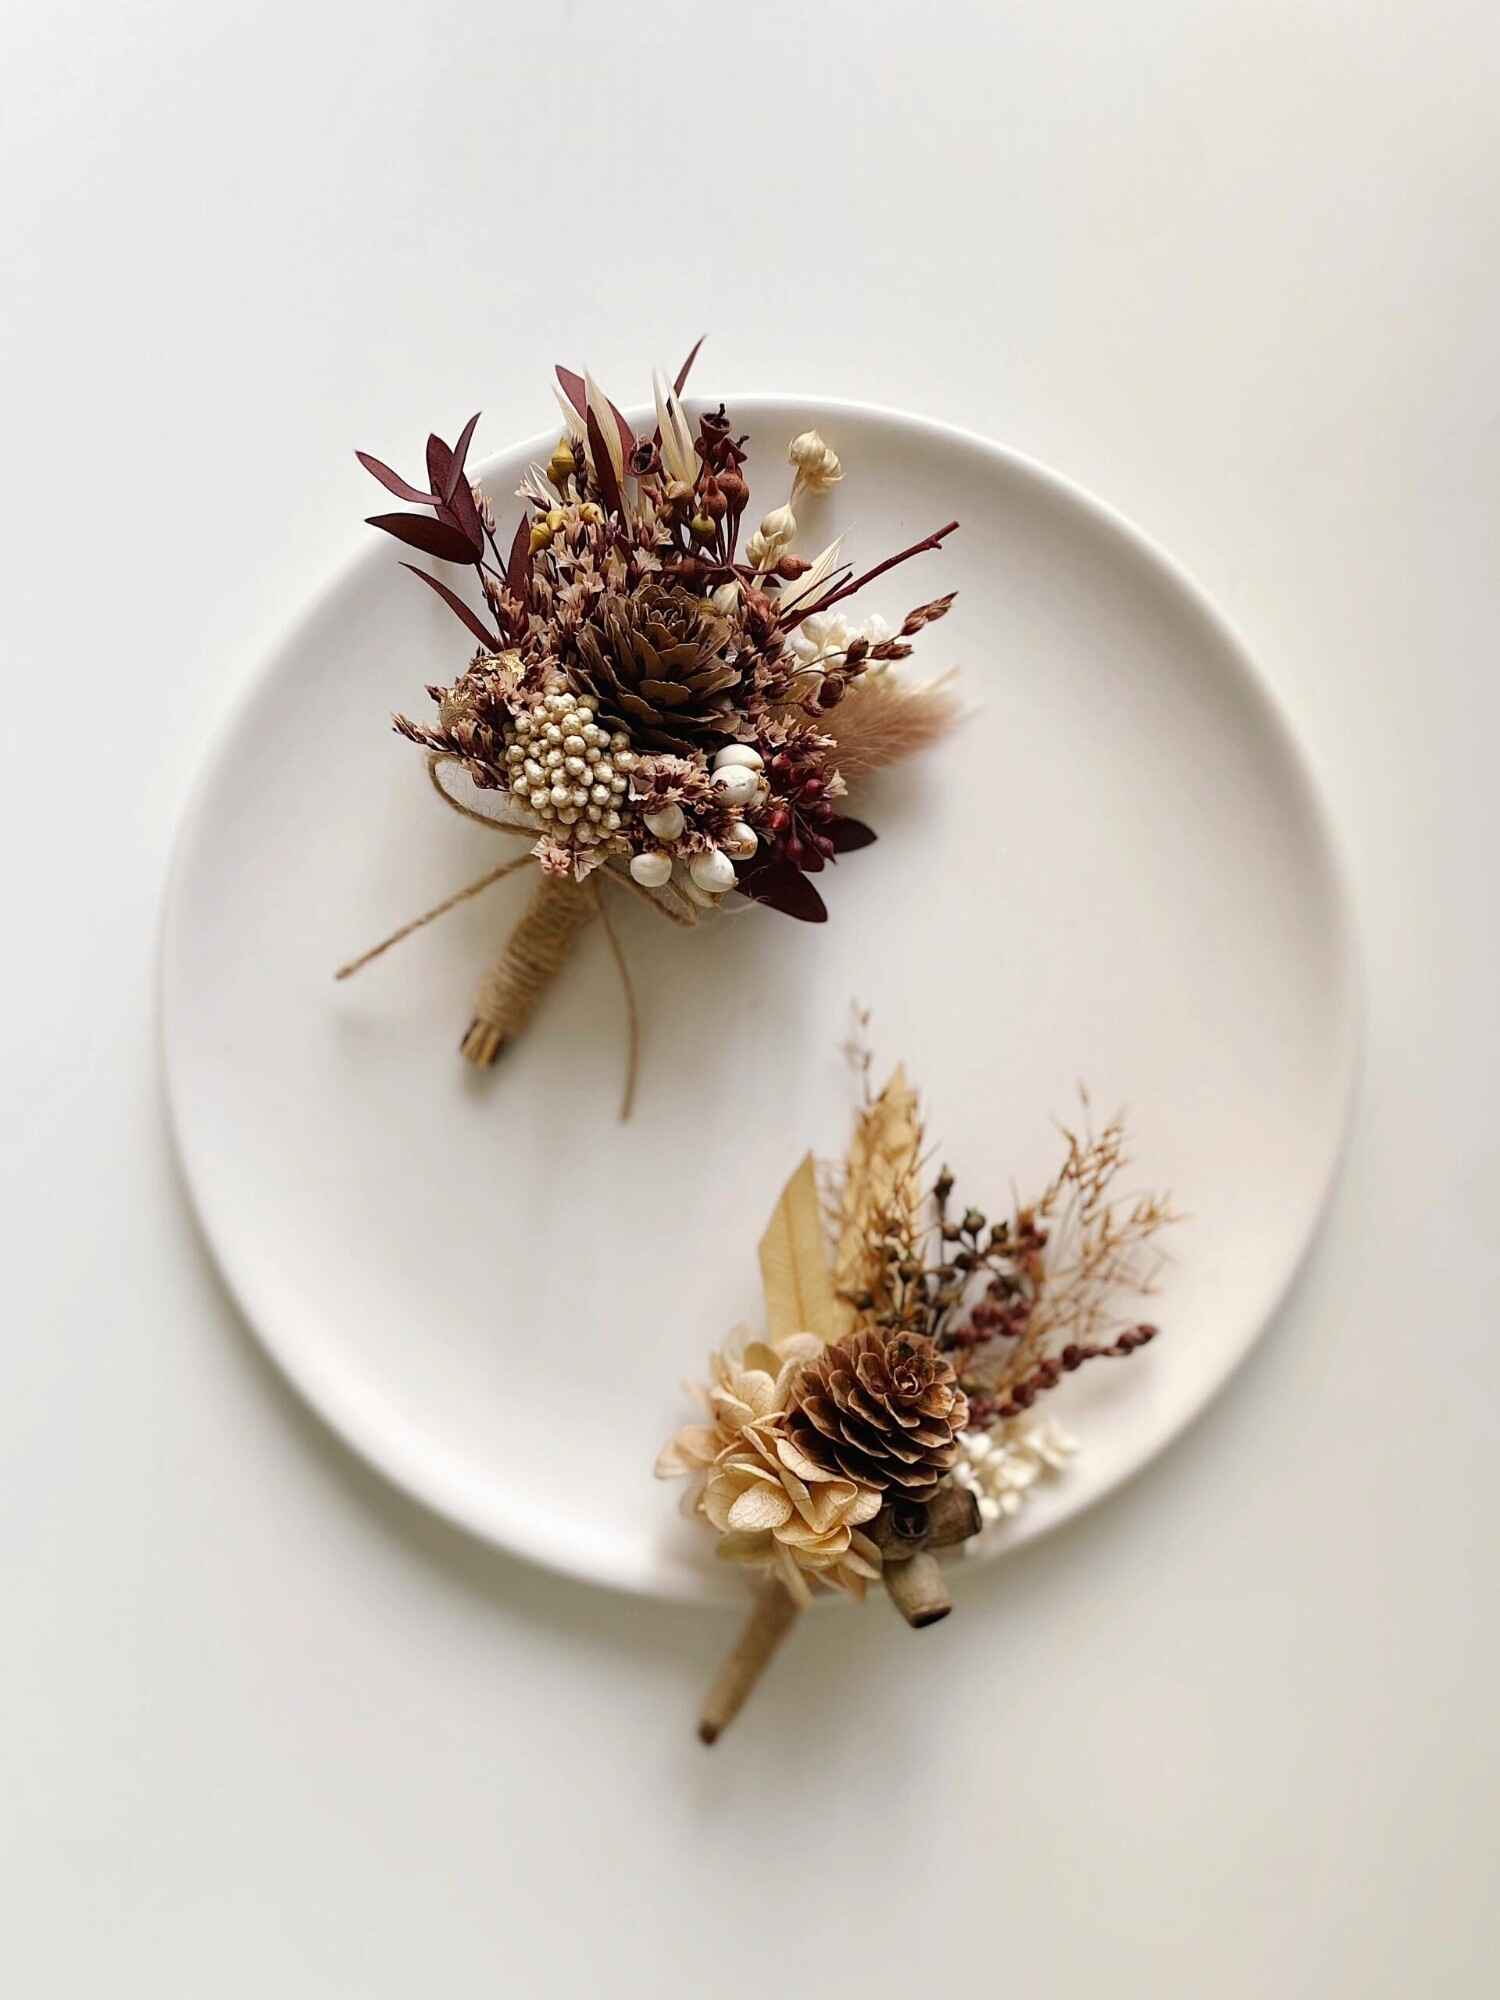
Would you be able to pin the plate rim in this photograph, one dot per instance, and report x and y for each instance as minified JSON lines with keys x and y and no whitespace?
{"x":422,"y":1478}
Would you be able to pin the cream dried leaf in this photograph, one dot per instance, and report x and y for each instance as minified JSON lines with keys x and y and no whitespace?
{"x":794,"y":1267}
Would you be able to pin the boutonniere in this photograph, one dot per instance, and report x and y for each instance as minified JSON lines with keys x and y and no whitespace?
{"x":665,"y":696}
{"x":888,"y":1414}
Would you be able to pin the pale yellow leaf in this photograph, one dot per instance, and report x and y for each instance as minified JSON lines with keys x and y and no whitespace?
{"x":794,"y":1262}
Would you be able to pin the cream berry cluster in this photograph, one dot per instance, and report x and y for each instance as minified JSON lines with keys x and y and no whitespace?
{"x":571,"y":771}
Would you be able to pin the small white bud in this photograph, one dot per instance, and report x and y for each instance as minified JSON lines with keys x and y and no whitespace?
{"x":737,"y":783}
{"x":740,"y":841}
{"x":779,"y":525}
{"x":652,"y":870}
{"x":713,"y":871}
{"x":668,"y":823}
{"x":818,"y":468}
{"x":738,"y":753}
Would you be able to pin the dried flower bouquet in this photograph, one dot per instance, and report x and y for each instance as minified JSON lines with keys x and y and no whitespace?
{"x":663,"y":698}
{"x":887,"y":1412}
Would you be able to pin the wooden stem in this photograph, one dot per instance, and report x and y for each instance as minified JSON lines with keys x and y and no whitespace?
{"x":768,"y":1624}
{"x":917,"y":1589}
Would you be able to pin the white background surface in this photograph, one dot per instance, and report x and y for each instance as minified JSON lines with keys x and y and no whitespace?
{"x":263,"y":1726}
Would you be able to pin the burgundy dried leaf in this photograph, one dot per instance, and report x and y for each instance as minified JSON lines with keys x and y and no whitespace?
{"x":520,"y":559}
{"x":461,"y":610}
{"x":783,"y":887}
{"x":687,"y":367}
{"x":394,"y":483}
{"x":462,"y":514}
{"x":460,"y":455}
{"x":849,"y":834}
{"x":434,"y":538}
{"x":576,"y":390}
{"x":604,"y":470}
{"x":466,"y":513}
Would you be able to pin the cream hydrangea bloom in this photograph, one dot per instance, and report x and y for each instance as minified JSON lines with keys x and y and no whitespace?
{"x":773,"y":1508}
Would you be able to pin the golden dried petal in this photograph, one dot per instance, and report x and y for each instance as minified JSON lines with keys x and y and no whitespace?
{"x":744,"y":1548}
{"x":797,"y":1460}
{"x":760,"y":1507}
{"x":694,"y":1446}
{"x":796,"y":1534}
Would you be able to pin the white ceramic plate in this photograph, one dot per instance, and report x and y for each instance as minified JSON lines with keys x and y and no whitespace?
{"x":1119,"y":873}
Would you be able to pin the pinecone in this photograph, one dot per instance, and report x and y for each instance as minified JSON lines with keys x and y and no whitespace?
{"x":883,"y":1409}
{"x":655,"y":661}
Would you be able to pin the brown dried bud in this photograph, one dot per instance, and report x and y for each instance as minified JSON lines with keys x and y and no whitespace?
{"x":732,"y":485}
{"x":791,"y":567}
{"x":711,"y":501}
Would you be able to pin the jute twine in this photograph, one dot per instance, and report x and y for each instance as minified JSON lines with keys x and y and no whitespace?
{"x":538,"y":947}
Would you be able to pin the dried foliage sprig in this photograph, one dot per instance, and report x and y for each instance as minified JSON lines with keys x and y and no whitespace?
{"x":665,"y":697}
{"x":884,"y":1416}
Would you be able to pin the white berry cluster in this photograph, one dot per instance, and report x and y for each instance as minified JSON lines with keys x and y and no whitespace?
{"x":1001,"y":1466}
{"x":570,"y":770}
{"x":707,"y":875}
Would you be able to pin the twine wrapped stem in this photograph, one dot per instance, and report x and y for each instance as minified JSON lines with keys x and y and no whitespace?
{"x":771,"y":1618}
{"x":534,"y":954}
{"x":538,"y":947}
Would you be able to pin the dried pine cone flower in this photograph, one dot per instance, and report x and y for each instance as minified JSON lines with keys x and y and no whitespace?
{"x":884,"y":1410}
{"x":655,"y":660}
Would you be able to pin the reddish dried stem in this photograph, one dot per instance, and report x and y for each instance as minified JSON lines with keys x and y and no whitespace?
{"x":931,"y":541}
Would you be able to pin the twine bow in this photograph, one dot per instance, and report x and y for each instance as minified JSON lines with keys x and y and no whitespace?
{"x":539,"y":945}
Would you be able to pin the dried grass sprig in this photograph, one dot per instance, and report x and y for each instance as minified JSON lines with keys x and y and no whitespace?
{"x":882,"y":720}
